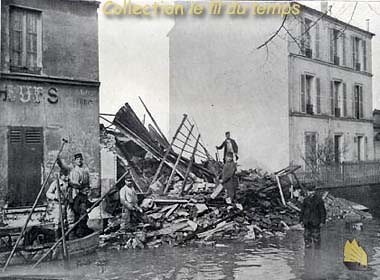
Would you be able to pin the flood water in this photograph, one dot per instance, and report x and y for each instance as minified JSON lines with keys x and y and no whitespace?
{"x":275,"y":258}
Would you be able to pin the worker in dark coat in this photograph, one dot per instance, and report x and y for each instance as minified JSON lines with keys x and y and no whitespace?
{"x":80,"y":207}
{"x":229,"y":145}
{"x":229,"y":179}
{"x":312,"y":215}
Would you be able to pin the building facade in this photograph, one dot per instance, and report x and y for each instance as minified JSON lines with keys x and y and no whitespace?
{"x":308,"y":86}
{"x":49,"y":90}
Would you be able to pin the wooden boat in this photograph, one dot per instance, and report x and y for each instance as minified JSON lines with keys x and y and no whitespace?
{"x":29,"y":255}
{"x":355,"y":258}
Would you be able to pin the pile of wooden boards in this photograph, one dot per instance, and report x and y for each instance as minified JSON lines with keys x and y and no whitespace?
{"x":187,"y":208}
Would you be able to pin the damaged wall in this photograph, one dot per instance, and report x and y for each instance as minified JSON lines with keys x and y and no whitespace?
{"x":220,"y":79}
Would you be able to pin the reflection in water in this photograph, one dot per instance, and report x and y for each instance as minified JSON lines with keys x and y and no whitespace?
{"x":274,"y":258}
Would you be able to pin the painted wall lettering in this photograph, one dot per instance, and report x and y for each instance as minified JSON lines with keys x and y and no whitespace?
{"x":28,"y":94}
{"x":53,"y":95}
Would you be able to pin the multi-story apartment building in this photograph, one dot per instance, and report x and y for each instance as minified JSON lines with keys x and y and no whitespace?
{"x":49,"y":90}
{"x":308,"y":87}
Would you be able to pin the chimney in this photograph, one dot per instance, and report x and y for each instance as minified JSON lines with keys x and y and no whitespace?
{"x":367,"y":20}
{"x":324,"y":6}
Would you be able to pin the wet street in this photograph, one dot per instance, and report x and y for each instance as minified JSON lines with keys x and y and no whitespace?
{"x":275,"y":258}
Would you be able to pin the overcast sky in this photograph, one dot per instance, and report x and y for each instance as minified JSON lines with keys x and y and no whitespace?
{"x":134,"y":57}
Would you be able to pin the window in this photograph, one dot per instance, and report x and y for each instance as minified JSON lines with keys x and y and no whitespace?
{"x":338,"y":148}
{"x":25,"y":40}
{"x":310,"y":148}
{"x":359,"y":54}
{"x":337,"y":47}
{"x":338,"y":99}
{"x":310,"y":94}
{"x":360,"y":142}
{"x":358,"y":102}
{"x":306,"y":38}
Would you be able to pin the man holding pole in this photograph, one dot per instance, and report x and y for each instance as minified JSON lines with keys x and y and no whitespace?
{"x":53,"y":199}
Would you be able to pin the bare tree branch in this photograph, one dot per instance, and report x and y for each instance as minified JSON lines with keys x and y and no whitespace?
{"x":274,"y":34}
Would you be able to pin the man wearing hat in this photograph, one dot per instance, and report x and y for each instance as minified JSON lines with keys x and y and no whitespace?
{"x":129,"y":202}
{"x":229,"y":145}
{"x":312,"y":215}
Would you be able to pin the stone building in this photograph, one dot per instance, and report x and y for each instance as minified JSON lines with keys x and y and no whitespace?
{"x":311,"y":84}
{"x":49,"y":90}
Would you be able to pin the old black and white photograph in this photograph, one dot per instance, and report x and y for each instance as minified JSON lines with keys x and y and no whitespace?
{"x":191,"y":139}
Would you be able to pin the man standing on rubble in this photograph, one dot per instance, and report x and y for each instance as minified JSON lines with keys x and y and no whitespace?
{"x":312,"y":215}
{"x":229,"y":145}
{"x":229,"y":179}
{"x":129,"y":202}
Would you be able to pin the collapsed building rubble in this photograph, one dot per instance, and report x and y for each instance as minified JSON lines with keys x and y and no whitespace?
{"x":183,"y":200}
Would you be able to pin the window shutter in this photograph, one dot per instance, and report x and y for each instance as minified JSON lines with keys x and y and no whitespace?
{"x":364,"y":43}
{"x":366,"y":147}
{"x":303,"y":96}
{"x":353,"y":102}
{"x":353,"y":51}
{"x":344,"y":52}
{"x":332,"y":107}
{"x":331,"y":45}
{"x":318,"y":84}
{"x":344,"y":100}
{"x":361,"y":102}
{"x":317,"y":40}
{"x":302,"y":43}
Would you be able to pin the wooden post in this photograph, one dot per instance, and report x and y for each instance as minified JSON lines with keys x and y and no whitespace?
{"x":76,"y":223}
{"x":64,"y":246}
{"x":190,"y":164}
{"x":64,"y":141}
{"x":177,"y":161}
{"x":280,"y":189}
{"x":169,"y":148}
{"x":154,"y":121}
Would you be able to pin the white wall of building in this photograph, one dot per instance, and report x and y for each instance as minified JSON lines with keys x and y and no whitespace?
{"x":220,"y":79}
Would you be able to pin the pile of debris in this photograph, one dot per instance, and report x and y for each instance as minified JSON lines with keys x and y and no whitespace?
{"x":182,"y":197}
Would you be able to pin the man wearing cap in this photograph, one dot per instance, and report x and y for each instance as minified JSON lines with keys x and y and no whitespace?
{"x":312,"y":215}
{"x":129,"y":202}
{"x":229,"y":145}
{"x":79,"y":175}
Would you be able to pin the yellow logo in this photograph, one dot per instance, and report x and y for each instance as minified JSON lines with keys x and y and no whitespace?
{"x":355,"y":258}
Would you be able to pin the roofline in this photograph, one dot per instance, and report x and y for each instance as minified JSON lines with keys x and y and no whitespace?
{"x":309,"y":9}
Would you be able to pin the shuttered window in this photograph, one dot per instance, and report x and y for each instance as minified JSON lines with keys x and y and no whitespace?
{"x":25,"y":40}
